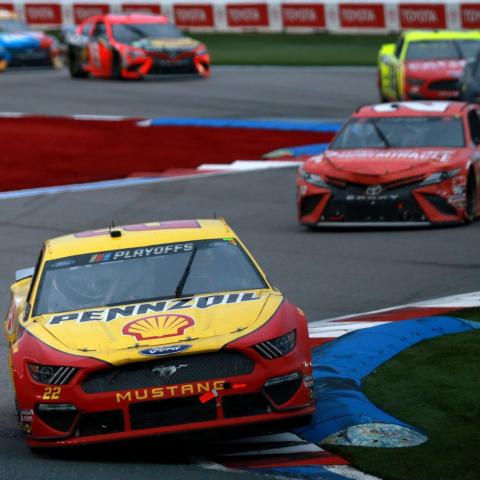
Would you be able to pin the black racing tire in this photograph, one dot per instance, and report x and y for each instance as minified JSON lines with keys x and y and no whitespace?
{"x":471,"y":199}
{"x":116,"y":66}
{"x":74,"y":67}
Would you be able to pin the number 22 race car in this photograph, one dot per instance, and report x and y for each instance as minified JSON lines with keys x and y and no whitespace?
{"x":152,"y":329}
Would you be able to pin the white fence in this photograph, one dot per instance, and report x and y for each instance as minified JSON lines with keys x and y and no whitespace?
{"x":268,"y":16}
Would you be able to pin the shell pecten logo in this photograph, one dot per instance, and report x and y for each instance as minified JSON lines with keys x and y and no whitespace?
{"x":158,"y":326}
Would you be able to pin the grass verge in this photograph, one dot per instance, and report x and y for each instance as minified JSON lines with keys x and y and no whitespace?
{"x":293,"y":49}
{"x":434,"y":386}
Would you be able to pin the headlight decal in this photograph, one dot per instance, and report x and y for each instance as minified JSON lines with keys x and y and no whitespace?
{"x":51,"y":375}
{"x":277,"y":347}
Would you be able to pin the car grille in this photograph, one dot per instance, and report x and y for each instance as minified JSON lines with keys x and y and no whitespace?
{"x":393,"y":203}
{"x":444,"y":85}
{"x":29,"y":57}
{"x":170,"y":371}
{"x":164,"y":65}
{"x":164,"y":413}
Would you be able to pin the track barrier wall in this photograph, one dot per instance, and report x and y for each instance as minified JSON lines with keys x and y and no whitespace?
{"x":377,"y":16}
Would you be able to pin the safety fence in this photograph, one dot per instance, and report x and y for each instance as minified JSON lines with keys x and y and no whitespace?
{"x":266,"y":16}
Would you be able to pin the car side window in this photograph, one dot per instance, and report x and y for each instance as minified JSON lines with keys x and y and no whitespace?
{"x":86,"y":29}
{"x":474,"y":126}
{"x":399,"y":47}
{"x":100,"y":30}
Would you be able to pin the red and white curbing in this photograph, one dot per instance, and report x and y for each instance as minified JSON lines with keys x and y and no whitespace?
{"x":336,"y":327}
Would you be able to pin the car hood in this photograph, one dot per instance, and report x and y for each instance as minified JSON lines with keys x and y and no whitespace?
{"x":21,"y":40}
{"x":383,"y":165}
{"x":167,"y":44}
{"x":127,"y":333}
{"x":433,"y":69}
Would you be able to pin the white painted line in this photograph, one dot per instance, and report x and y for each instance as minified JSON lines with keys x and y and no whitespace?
{"x":334,"y":330}
{"x":349,"y":472}
{"x":12,"y":114}
{"x":250,"y":165}
{"x":84,"y":187}
{"x":464,"y":300}
{"x":98,"y":117}
{"x":305,"y":448}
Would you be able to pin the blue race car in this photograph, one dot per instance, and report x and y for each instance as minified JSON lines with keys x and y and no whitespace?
{"x":22,"y":47}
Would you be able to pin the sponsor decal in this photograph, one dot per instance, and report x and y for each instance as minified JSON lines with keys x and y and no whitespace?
{"x":450,"y":68}
{"x":423,"y":155}
{"x":7,"y":6}
{"x":470,"y":15}
{"x":63,"y":263}
{"x":141,"y":252}
{"x":165,"y":350}
{"x":422,"y":15}
{"x":141,"y":8}
{"x":361,"y":15}
{"x":81,"y":11}
{"x":415,"y":106}
{"x":172,"y":391}
{"x":247,"y":15}
{"x":303,"y":15}
{"x":109,"y":314}
{"x":43,"y":13}
{"x":11,"y":318}
{"x":158,"y":326}
{"x":193,"y":15}
{"x":26,"y":418}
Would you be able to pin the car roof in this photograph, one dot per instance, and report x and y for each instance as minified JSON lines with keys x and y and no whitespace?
{"x":419,"y":35}
{"x":140,"y":235}
{"x":412,"y":109}
{"x":135,"y":18}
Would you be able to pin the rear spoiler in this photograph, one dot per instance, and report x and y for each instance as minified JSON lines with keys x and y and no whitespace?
{"x":24,"y":273}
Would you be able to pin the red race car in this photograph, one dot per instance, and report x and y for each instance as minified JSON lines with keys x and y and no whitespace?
{"x":131,"y":46}
{"x":396,"y":164}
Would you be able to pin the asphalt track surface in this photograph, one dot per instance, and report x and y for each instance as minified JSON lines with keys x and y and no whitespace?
{"x":328,"y":273}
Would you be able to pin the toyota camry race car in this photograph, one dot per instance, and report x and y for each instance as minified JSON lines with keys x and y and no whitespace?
{"x":392,"y":164}
{"x":22,"y":47}
{"x":152,"y":329}
{"x":425,"y":64}
{"x":131,"y":46}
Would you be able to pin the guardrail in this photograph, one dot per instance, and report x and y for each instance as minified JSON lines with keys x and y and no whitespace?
{"x":265,"y":16}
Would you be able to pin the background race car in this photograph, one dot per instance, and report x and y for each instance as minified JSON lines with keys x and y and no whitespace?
{"x":153,"y":329}
{"x":132,"y":46}
{"x":425,"y":64}
{"x":396,"y":164}
{"x":22,"y":47}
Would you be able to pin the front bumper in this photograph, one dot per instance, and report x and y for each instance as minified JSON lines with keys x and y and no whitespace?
{"x":145,"y":410}
{"x":438,"y":89}
{"x":158,"y":64}
{"x":406,"y":206}
{"x":41,"y":57}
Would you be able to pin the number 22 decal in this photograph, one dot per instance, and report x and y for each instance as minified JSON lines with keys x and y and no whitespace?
{"x":52,"y":393}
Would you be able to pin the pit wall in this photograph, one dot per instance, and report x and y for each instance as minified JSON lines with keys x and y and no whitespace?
{"x":372,"y":16}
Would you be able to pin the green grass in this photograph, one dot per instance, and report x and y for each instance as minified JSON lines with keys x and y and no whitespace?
{"x":293,"y":49}
{"x":434,"y":386}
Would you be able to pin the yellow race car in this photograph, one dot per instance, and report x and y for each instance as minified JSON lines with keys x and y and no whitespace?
{"x":425,"y":64}
{"x":153,"y":329}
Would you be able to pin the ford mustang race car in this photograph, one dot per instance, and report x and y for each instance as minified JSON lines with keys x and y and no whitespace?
{"x":425,"y":64}
{"x":392,"y":164}
{"x":22,"y":47}
{"x":153,"y":329}
{"x":131,"y":46}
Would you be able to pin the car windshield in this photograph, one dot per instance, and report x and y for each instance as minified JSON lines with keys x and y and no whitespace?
{"x":132,"y":32}
{"x":10,"y":26}
{"x":442,"y":49}
{"x":398,"y":132}
{"x":145,"y":273}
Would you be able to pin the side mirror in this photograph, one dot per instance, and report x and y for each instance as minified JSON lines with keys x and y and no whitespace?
{"x":24,"y":273}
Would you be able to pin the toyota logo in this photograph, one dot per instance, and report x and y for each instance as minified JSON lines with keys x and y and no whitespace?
{"x":374,"y":190}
